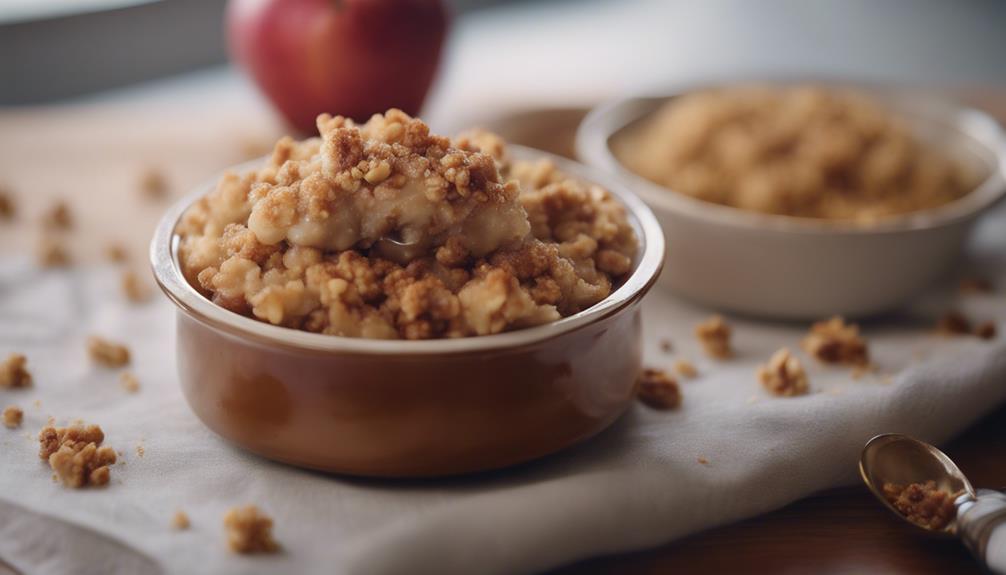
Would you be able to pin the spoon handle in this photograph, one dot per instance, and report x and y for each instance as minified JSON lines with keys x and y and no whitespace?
{"x":981,"y":523}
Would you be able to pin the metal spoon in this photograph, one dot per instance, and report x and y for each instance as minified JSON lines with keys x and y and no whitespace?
{"x":981,"y":514}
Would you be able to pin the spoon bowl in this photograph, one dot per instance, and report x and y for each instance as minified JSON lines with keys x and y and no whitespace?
{"x":902,"y":460}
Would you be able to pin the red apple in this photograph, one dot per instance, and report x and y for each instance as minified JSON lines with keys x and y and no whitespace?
{"x":349,"y":57}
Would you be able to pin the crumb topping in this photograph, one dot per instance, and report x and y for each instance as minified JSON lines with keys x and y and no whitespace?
{"x":658,"y":390}
{"x":12,"y":417}
{"x":924,"y":504}
{"x":249,"y":531}
{"x":384,"y":230}
{"x":76,"y":455}
{"x":714,"y":334}
{"x":107,"y":353}
{"x":835,"y":341}
{"x":783,"y":375}
{"x":802,"y":151}
{"x":14,"y":372}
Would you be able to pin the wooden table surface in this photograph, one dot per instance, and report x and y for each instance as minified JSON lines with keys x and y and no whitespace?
{"x":838,"y":531}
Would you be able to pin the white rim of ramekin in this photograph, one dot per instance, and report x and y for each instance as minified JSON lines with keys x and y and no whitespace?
{"x":603,"y":122}
{"x":164,"y":261}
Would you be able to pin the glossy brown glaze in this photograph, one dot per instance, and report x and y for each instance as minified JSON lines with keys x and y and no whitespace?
{"x":411,"y":415}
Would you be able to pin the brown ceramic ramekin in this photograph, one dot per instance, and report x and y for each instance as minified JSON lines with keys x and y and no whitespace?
{"x":411,"y":408}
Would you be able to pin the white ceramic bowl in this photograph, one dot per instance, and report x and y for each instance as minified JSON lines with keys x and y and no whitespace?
{"x":801,"y":268}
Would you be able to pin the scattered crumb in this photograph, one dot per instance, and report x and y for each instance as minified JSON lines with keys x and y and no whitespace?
{"x":14,"y":372}
{"x":8,"y":209}
{"x":783,"y":375}
{"x":133,"y":288}
{"x":838,"y":390}
{"x":37,"y":404}
{"x":249,"y":531}
{"x":834,"y":341}
{"x":975,"y":285}
{"x":129,"y":382}
{"x":658,"y":390}
{"x":106,"y":352}
{"x":140,"y":450}
{"x":953,"y":323}
{"x":116,"y":253}
{"x":180,"y":521}
{"x":860,"y":370}
{"x":986,"y":330}
{"x":685,"y":368}
{"x":924,"y":504}
{"x":12,"y":417}
{"x":51,"y":253}
{"x":666,"y":345}
{"x":75,"y":454}
{"x":752,"y":400}
{"x":703,"y":461}
{"x":59,"y":217}
{"x":153,"y":184}
{"x":887,"y":379}
{"x":714,"y":334}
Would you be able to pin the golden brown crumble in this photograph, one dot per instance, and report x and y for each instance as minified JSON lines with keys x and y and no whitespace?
{"x":140,"y":450}
{"x":59,"y":216}
{"x":133,"y":287}
{"x":783,"y":375}
{"x":835,"y":341}
{"x":107,"y":353}
{"x":953,"y":323}
{"x":924,"y":504}
{"x":714,"y":335}
{"x":249,"y":531}
{"x":702,"y":461}
{"x":311,"y":240}
{"x":12,"y":417}
{"x":685,"y":368}
{"x":986,"y":330}
{"x":154,"y":184}
{"x":129,"y":382}
{"x":975,"y":285}
{"x":658,"y":390}
{"x":180,"y":521}
{"x":116,"y":253}
{"x":51,"y":253}
{"x":14,"y":372}
{"x":801,"y":151}
{"x":8,"y":209}
{"x":76,"y":455}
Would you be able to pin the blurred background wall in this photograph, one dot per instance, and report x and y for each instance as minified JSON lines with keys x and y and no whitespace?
{"x":53,"y":49}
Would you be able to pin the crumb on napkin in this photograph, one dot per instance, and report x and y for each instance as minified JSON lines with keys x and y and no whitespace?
{"x":783,"y":375}
{"x":714,"y":335}
{"x":986,"y":330}
{"x":953,"y":323}
{"x":658,"y":390}
{"x":249,"y":531}
{"x":116,"y":253}
{"x":133,"y":287}
{"x":59,"y":216}
{"x":685,"y":368}
{"x":76,"y":455}
{"x":180,"y":521}
{"x":129,"y":382}
{"x":51,"y":253}
{"x":107,"y":353}
{"x":154,"y":184}
{"x":835,"y":341}
{"x":14,"y":372}
{"x":12,"y":417}
{"x":8,"y":208}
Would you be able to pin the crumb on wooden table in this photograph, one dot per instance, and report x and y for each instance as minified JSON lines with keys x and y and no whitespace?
{"x":714,"y":334}
{"x":154,"y":184}
{"x":59,"y":216}
{"x":658,"y":390}
{"x":953,"y":323}
{"x":133,"y":287}
{"x":116,"y":253}
{"x":666,"y":345}
{"x":51,"y":253}
{"x":107,"y":353}
{"x":986,"y":330}
{"x":685,"y":368}
{"x":835,"y":341}
{"x":76,"y":455}
{"x":783,"y":375}
{"x":975,"y":285}
{"x":180,"y":521}
{"x":14,"y":372}
{"x":249,"y":531}
{"x":924,"y":504}
{"x":129,"y":382}
{"x":12,"y":417}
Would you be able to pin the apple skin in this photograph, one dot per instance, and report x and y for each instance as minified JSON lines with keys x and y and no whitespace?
{"x":349,"y":57}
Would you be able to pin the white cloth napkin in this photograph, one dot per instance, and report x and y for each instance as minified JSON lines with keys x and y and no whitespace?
{"x":639,"y":484}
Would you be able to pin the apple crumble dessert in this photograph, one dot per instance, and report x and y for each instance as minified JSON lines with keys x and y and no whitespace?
{"x":384,"y":230}
{"x":783,"y":375}
{"x":107,"y":353}
{"x":658,"y":390}
{"x":796,"y":151}
{"x":76,"y":455}
{"x":14,"y":372}
{"x":924,"y":504}
{"x":714,"y":334}
{"x":249,"y":531}
{"x":834,"y":341}
{"x":12,"y":417}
